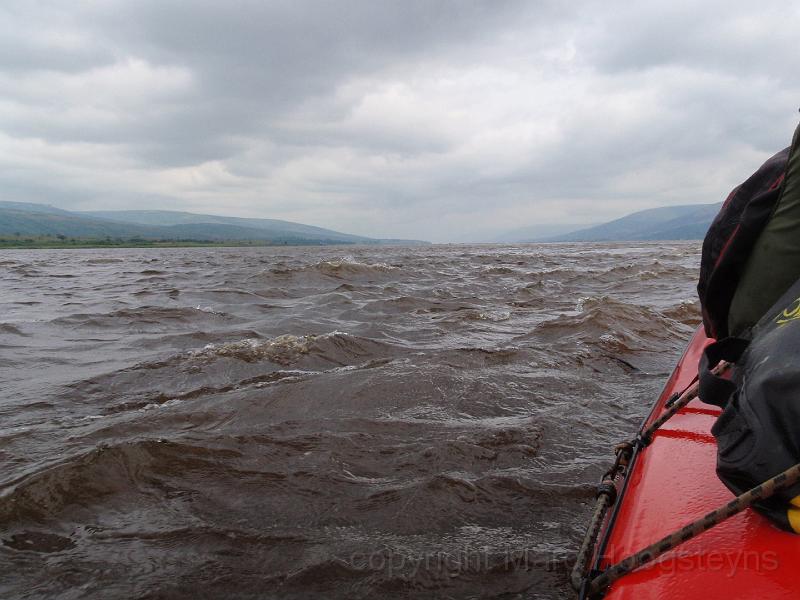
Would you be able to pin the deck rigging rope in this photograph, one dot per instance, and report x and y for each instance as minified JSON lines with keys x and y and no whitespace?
{"x":607,"y":496}
{"x":761,"y":492}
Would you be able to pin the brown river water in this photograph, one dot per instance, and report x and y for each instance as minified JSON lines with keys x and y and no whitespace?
{"x":337,"y":422}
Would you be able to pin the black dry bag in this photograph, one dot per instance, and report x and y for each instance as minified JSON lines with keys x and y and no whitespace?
{"x":758,"y":432}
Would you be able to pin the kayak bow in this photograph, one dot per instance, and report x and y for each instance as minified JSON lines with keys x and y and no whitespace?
{"x":664,"y":480}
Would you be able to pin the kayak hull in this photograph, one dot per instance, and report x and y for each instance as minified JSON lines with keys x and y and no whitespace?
{"x":673,"y":482}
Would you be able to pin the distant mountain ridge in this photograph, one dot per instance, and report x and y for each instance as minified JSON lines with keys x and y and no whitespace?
{"x":684,"y":222}
{"x":230,"y":225}
{"x":28,"y":219}
{"x":532,"y":233}
{"x":31,"y":207}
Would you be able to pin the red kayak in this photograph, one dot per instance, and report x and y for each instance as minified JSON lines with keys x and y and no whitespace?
{"x":671,"y":482}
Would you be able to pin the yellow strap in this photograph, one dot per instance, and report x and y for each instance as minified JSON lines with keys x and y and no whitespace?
{"x":793,"y":513}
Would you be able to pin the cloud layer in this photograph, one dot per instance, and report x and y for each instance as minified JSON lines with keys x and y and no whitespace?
{"x":435,"y":119}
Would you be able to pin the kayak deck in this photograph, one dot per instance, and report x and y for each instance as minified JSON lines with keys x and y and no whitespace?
{"x":673,"y":482}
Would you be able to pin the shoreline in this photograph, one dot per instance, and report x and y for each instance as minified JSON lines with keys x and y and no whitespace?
{"x":99,"y":244}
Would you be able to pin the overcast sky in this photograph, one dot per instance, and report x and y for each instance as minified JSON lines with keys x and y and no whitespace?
{"x":441,"y":120}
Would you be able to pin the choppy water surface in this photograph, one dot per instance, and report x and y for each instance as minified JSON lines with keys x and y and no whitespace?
{"x":321,"y":422}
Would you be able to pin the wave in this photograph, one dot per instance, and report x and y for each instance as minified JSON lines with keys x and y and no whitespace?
{"x":499,"y":271}
{"x":432,"y":502}
{"x":686,"y":312}
{"x":155,"y":316}
{"x":408,"y":401}
{"x":466,"y":314}
{"x":12,"y":330}
{"x":119,"y":474}
{"x":102,"y":261}
{"x":614,"y":325}
{"x":227,"y":367}
{"x":287,"y":349}
{"x":443,"y":308}
{"x":283,"y":350}
{"x":495,"y":316}
{"x":340,"y":268}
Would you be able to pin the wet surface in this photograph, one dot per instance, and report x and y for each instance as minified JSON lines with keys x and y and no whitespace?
{"x":381,"y":422}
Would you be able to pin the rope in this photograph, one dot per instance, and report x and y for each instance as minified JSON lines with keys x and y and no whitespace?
{"x":607,"y":490}
{"x":676,"y":405}
{"x":606,"y":497}
{"x":761,"y":492}
{"x":577,"y":577}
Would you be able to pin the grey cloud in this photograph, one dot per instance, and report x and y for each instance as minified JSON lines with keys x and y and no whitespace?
{"x":254,"y":60}
{"x":47,"y":36}
{"x":392,"y":118}
{"x":736,"y":38}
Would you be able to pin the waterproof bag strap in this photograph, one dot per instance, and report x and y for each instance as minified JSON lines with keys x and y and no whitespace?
{"x":713,"y":388}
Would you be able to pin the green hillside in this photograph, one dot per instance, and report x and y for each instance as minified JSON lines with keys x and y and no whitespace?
{"x":685,"y":222}
{"x":35,"y":224}
{"x":236,"y":227}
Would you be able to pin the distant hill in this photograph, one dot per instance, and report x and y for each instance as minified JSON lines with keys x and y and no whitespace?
{"x":229,"y":227}
{"x":26,"y":219}
{"x":686,"y":222}
{"x":19,"y":220}
{"x":532,"y":233}
{"x":31,"y":207}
